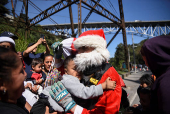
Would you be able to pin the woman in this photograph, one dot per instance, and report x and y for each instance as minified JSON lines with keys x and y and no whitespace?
{"x":52,"y":74}
{"x":9,"y":43}
{"x":156,"y":54}
{"x":12,"y":76}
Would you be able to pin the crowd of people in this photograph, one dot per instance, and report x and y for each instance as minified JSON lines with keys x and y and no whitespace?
{"x":78,"y":78}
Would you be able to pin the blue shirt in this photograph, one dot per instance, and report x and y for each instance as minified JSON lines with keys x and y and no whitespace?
{"x":29,"y":58}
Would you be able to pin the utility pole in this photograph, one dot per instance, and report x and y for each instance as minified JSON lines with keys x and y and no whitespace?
{"x":133,"y":53}
{"x":129,"y":54}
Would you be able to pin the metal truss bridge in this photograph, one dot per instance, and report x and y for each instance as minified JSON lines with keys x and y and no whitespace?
{"x":141,"y":28}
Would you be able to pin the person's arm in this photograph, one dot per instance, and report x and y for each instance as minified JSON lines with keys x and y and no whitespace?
{"x":29,"y":49}
{"x":108,"y":84}
{"x":77,"y":89}
{"x":28,"y":106}
{"x":43,"y":76}
{"x":47,"y":47}
{"x":29,"y":75}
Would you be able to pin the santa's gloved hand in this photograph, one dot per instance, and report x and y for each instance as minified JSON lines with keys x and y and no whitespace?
{"x":62,"y":96}
{"x":57,"y":49}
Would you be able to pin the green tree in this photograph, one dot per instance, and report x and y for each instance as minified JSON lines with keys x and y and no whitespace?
{"x":119,"y":58}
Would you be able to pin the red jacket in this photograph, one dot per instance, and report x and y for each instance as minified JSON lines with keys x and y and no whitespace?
{"x":109,"y":102}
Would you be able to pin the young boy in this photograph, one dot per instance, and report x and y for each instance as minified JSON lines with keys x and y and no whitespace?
{"x":145,"y":81}
{"x":37,"y":76}
{"x":71,"y":81}
{"x":144,"y":107}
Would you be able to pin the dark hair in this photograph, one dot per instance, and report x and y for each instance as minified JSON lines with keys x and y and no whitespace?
{"x":46,"y":55}
{"x":36,"y":61}
{"x":146,"y":78}
{"x":67,"y":60}
{"x":9,"y":60}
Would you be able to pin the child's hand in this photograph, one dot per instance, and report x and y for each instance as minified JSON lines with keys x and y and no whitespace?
{"x":28,"y":85}
{"x":135,"y":105}
{"x":108,"y":84}
{"x":35,"y":89}
{"x":36,"y":82}
{"x":40,"y":81}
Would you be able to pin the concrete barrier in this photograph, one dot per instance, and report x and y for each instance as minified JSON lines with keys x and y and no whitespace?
{"x":125,"y":75}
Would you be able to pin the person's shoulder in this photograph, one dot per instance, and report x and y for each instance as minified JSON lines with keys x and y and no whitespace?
{"x":40,"y":55}
{"x":8,"y":108}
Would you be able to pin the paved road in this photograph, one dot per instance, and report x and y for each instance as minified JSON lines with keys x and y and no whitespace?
{"x":132,"y":83}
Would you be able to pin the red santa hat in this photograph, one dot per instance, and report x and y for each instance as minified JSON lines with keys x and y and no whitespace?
{"x":95,"y":39}
{"x":68,"y":47}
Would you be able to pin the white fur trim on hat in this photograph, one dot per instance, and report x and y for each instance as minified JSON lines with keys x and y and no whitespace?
{"x":95,"y":41}
{"x":7,"y":39}
{"x":67,"y":46}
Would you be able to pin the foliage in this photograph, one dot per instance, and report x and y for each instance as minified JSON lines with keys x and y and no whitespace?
{"x":18,"y":28}
{"x":119,"y":58}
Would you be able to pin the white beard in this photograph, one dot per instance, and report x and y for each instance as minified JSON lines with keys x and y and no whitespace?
{"x":84,"y":60}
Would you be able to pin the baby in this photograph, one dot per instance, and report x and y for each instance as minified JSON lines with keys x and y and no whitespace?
{"x":37,"y":76}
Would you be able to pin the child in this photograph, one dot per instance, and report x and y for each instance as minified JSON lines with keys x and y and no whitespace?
{"x":71,"y":81}
{"x":76,"y":88}
{"x":37,"y":76}
{"x":145,"y":81}
{"x":144,"y":107}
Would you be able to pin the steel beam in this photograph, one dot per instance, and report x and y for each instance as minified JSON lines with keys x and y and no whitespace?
{"x":71,"y":20}
{"x":26,"y":12}
{"x":124,"y":34}
{"x":13,"y":10}
{"x":114,"y":37}
{"x":50,"y":11}
{"x":102,"y":11}
{"x":79,"y":18}
{"x":88,"y":15}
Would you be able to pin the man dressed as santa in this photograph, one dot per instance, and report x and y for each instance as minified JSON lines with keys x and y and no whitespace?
{"x":92,"y":61}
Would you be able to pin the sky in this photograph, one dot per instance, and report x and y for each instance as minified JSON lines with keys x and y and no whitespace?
{"x":144,"y":10}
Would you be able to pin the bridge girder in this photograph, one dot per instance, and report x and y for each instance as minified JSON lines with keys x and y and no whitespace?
{"x":145,"y":28}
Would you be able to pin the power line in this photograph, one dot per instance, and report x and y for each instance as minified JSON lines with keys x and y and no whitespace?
{"x":113,"y":9}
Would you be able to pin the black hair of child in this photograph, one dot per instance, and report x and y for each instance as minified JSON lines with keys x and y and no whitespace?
{"x":36,"y":61}
{"x":68,"y":59}
{"x":146,"y":78}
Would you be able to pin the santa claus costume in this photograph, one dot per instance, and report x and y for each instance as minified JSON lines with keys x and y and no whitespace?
{"x":96,"y":70}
